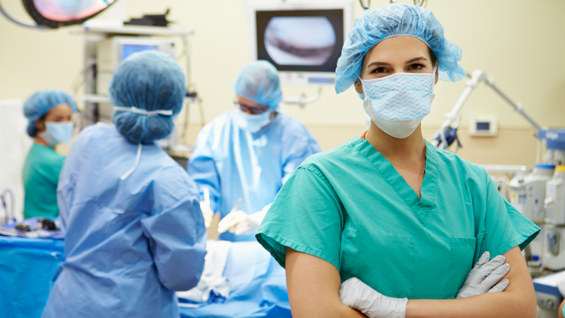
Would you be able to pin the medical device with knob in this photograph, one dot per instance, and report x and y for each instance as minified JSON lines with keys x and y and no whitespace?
{"x":528,"y":192}
{"x":112,"y":50}
{"x":554,"y":207}
{"x":439,"y":138}
{"x":527,"y":195}
{"x":535,"y":183}
{"x":555,"y":197}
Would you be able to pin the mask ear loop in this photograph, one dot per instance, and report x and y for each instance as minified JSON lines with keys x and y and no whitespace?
{"x":127,"y":174}
{"x":362,"y":86}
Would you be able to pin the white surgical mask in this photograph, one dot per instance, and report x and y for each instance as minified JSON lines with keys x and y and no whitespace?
{"x":252,"y":123}
{"x":398,"y":103}
{"x":56,"y":133}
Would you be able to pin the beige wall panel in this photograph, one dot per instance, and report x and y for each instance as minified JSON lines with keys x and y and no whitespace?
{"x":516,"y":42}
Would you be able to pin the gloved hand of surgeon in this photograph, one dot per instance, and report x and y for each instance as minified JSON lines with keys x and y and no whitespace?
{"x":207,"y":212}
{"x":481,"y":279}
{"x":207,"y":209}
{"x":239,"y":222}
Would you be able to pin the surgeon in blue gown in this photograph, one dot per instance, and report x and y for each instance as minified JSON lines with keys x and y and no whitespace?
{"x":134,"y":231}
{"x":248,"y":153}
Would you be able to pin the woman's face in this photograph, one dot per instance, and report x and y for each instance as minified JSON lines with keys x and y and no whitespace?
{"x":394,"y":55}
{"x":59,"y":114}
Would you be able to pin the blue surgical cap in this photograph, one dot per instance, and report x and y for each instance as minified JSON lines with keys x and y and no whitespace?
{"x":40,"y":103}
{"x":394,"y":20}
{"x":148,"y":80}
{"x":259,"y":81}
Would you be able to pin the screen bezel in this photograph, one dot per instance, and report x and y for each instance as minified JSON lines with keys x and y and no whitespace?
{"x":335,"y":16}
{"x":298,"y":69}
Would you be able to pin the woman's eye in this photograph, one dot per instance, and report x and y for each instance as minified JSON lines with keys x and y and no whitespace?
{"x":379,"y":70}
{"x":416,"y":67}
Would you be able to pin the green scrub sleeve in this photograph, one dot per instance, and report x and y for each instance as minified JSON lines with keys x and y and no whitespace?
{"x":505,"y":227}
{"x":56,"y":167}
{"x":306,"y":216}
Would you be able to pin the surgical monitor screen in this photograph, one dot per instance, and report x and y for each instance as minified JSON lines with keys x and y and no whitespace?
{"x":300,"y":40}
{"x":129,"y":49}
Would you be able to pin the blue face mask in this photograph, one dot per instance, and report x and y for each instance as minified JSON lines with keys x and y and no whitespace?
{"x":398,"y":103}
{"x":252,"y":123}
{"x":56,"y":133}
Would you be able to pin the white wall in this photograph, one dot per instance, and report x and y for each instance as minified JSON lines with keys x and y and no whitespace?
{"x":13,"y":150}
{"x":519,"y":43}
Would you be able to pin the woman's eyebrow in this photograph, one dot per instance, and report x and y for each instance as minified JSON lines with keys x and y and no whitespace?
{"x":421,"y":58}
{"x":379,"y":64}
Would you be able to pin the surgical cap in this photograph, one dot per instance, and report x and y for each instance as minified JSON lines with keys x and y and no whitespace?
{"x":259,"y":81}
{"x":389,"y":21}
{"x":40,"y":103}
{"x":151,"y":81}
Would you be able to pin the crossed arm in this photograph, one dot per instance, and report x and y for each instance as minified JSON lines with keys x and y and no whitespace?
{"x":313,"y":289}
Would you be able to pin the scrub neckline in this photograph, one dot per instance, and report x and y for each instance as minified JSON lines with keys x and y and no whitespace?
{"x":422,"y":206}
{"x":44,"y":146}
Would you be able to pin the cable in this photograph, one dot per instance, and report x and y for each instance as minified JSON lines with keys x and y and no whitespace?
{"x":362,"y":3}
{"x":80,"y":79}
{"x":185,"y":53}
{"x":186,"y":119}
{"x":201,"y":111}
{"x":26,"y":24}
{"x":421,"y":3}
{"x":187,"y":57}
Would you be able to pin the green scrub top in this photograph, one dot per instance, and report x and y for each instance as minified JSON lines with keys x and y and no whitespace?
{"x":350,"y":207}
{"x":41,"y":176}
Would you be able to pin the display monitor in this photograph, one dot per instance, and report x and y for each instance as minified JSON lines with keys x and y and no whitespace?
{"x":303,"y":40}
{"x":129,"y":49}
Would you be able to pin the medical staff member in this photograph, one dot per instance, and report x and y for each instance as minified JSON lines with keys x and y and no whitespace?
{"x":49,"y":113}
{"x":134,"y":232}
{"x":248,"y":153}
{"x":397,"y":221}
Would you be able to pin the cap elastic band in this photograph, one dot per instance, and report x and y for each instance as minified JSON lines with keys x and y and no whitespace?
{"x":145,"y":112}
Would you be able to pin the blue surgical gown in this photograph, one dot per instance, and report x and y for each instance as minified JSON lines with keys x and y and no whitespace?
{"x":233,"y":163}
{"x":128,"y":243}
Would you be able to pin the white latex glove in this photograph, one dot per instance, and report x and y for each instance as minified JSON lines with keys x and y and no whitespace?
{"x":357,"y":295}
{"x":207,"y":209}
{"x":207,"y":212}
{"x":484,"y":275}
{"x":239,"y":222}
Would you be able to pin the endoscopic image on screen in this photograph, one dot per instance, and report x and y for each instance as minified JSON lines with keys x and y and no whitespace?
{"x":69,"y":10}
{"x":300,"y":40}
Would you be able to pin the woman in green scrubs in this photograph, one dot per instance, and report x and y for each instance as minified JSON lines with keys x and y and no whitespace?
{"x":387,"y":207}
{"x":49,"y":113}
